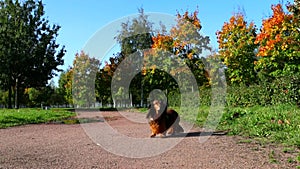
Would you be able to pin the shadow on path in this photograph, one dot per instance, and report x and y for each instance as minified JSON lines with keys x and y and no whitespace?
{"x":198,"y":134}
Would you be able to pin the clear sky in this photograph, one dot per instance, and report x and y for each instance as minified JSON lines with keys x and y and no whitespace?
{"x":81,"y":19}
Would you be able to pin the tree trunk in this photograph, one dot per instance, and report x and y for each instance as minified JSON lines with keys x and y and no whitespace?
{"x":16,"y":95}
{"x":9,"y":97}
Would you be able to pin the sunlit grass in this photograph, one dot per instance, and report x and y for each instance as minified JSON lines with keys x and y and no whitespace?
{"x":16,"y":117}
{"x":274,"y":124}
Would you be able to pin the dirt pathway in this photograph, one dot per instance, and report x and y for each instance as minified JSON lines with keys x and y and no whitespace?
{"x":70,"y":146}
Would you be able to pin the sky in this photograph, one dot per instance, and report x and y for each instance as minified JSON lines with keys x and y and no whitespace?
{"x":80,"y":20}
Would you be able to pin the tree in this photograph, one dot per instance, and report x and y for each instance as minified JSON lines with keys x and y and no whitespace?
{"x":83,"y":83}
{"x":134,"y":37}
{"x":237,"y":49}
{"x":163,"y":54}
{"x":188,"y":41}
{"x":103,"y":86}
{"x":185,"y":42}
{"x":40,"y":96}
{"x":158,"y":64}
{"x":65,"y":85}
{"x":3,"y":98}
{"x":104,"y":79}
{"x":279,"y":51}
{"x":28,"y":51}
{"x":63,"y":93}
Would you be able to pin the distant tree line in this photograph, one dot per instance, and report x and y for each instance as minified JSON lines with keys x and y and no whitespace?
{"x":261,"y":67}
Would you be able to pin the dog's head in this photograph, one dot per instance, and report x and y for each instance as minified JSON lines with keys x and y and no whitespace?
{"x":156,"y":109}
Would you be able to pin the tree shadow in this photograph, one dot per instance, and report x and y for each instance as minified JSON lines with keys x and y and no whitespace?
{"x":74,"y":120}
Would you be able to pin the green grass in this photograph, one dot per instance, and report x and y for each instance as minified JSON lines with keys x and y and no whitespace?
{"x":245,"y":141}
{"x":16,"y":117}
{"x":272,"y":124}
{"x":275,"y":124}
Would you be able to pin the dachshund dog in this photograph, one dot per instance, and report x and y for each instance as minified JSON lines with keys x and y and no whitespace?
{"x":163,"y":120}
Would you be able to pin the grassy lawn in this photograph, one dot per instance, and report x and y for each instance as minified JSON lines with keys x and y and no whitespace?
{"x":273,"y":124}
{"x":16,"y":117}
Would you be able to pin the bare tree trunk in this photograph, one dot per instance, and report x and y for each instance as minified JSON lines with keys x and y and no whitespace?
{"x":16,"y":95}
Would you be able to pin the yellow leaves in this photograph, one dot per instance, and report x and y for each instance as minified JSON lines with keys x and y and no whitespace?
{"x":144,"y":71}
{"x":186,"y":30}
{"x":153,"y":68}
{"x":162,"y":42}
{"x":281,"y":122}
{"x":284,"y":47}
{"x":233,"y":31}
{"x":190,"y":55}
{"x":27,"y":90}
{"x":236,"y":44}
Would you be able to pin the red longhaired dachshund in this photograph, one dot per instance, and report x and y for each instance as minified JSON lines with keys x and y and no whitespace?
{"x":163,"y":120}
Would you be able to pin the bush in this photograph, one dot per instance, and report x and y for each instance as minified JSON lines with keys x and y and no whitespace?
{"x":284,"y":90}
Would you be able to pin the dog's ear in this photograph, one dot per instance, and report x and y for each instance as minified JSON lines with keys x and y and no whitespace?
{"x":151,"y":112}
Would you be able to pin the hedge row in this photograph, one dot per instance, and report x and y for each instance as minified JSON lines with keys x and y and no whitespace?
{"x":285,"y":90}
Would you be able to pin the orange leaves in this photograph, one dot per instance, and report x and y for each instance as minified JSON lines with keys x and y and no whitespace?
{"x":279,"y":43}
{"x":193,"y":18}
{"x":272,"y":30}
{"x":276,"y":19}
{"x":162,"y":42}
{"x":233,"y":31}
{"x":235,"y":20}
{"x":183,"y":36}
{"x":236,"y":44}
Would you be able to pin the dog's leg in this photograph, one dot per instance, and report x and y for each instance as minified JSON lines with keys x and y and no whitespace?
{"x":171,"y":130}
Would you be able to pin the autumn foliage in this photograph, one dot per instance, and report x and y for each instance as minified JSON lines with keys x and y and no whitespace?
{"x":278,"y":42}
{"x":182,"y":41}
{"x":236,"y":49}
{"x":272,"y":31}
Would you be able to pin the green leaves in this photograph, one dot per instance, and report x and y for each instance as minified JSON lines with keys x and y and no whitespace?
{"x":135,"y":35}
{"x":28,"y":51}
{"x":83,"y":82}
{"x":236,"y":44}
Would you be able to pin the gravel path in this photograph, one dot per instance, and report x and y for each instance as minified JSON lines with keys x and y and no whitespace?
{"x":69,"y":146}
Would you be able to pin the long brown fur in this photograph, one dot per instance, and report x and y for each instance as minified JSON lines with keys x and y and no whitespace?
{"x":163,"y":120}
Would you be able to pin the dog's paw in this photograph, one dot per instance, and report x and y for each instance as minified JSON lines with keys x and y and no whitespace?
{"x":152,"y":135}
{"x":161,"y":135}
